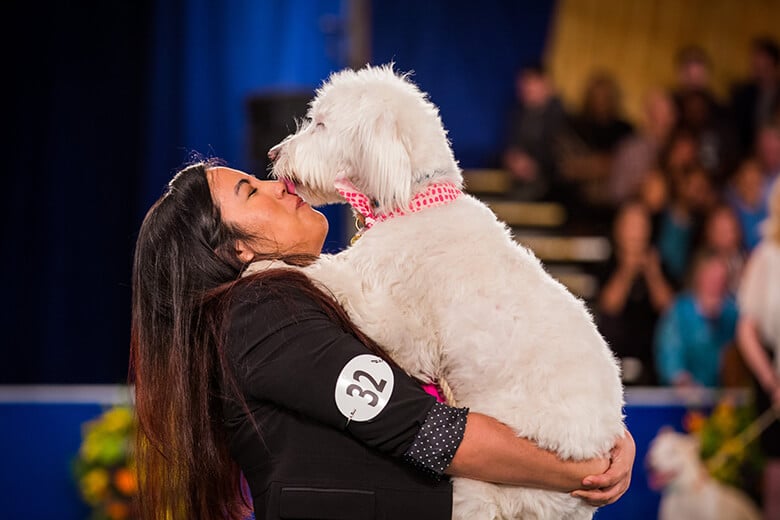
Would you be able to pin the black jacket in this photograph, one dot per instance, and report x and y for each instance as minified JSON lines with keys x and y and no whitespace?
{"x":309,"y":460}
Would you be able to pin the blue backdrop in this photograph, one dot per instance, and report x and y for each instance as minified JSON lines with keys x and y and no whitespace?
{"x":464,"y":54}
{"x":109,"y":99}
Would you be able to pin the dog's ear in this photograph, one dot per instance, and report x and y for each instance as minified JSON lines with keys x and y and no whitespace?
{"x":385,"y":168}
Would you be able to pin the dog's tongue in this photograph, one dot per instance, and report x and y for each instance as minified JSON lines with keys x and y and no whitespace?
{"x":290,"y":186}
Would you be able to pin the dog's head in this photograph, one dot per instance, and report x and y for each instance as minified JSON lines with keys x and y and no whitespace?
{"x":373,"y":127}
{"x":672,"y":458}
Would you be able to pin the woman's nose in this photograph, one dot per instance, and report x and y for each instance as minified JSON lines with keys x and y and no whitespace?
{"x":280,"y":188}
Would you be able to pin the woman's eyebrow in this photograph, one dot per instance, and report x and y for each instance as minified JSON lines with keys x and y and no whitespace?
{"x":238,"y":185}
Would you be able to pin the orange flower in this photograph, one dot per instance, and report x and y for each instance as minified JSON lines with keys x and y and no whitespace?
{"x":125,"y":481}
{"x":693,"y":422}
{"x":117,"y":511}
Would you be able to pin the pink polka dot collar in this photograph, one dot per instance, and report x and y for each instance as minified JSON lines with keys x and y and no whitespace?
{"x":434,"y":195}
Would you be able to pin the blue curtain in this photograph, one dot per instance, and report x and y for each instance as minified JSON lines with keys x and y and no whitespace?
{"x":108,"y":99}
{"x":464,"y":54}
{"x":77,"y":81}
{"x":210,"y":57}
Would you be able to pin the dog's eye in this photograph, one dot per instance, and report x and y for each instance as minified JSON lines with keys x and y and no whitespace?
{"x":320,"y":124}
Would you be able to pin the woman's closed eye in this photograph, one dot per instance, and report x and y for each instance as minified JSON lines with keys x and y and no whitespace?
{"x":252,"y":192}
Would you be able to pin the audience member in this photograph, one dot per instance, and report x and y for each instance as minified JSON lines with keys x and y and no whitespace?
{"x":754,"y":102}
{"x":637,"y":155}
{"x":590,"y":140}
{"x":747,"y":195}
{"x":694,"y":71}
{"x":654,"y":196}
{"x":758,"y":332}
{"x":534,"y":125}
{"x":722,"y":235}
{"x":718,"y":149}
{"x":693,"y":334}
{"x":691,"y":197}
{"x":768,"y":152}
{"x":634,"y":292}
{"x":680,"y":153}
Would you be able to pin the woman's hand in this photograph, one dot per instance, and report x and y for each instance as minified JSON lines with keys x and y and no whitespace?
{"x":492,"y":452}
{"x":600,"y":490}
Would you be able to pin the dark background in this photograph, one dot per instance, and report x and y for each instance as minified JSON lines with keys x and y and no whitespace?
{"x":109,"y":98}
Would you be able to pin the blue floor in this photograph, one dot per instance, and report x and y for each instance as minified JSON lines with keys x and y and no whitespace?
{"x":40,"y":435}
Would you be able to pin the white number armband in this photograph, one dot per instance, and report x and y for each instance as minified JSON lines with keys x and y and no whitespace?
{"x":364,"y":387}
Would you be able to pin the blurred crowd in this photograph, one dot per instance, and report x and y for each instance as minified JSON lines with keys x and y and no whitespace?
{"x":691,"y":293}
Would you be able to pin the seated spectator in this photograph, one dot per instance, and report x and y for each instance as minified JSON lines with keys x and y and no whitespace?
{"x":718,"y":150}
{"x":679,"y":154}
{"x":748,"y":196}
{"x":637,"y":155}
{"x":691,"y":197}
{"x":654,"y":196}
{"x":700,"y":114}
{"x":591,"y":138}
{"x":634,"y":293}
{"x":693,"y":72}
{"x":693,"y":334}
{"x":768,"y":152}
{"x":754,"y":102}
{"x":534,"y":126}
{"x":722,"y":235}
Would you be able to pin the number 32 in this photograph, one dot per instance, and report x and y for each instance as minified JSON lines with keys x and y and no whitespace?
{"x":357,"y":390}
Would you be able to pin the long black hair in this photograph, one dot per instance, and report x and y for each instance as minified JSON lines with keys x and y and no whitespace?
{"x":185,"y":269}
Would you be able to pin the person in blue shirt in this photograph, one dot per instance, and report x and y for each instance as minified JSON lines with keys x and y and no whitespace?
{"x":693,"y":334}
{"x":692,"y":197}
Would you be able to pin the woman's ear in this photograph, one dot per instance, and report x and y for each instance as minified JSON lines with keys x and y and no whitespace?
{"x":244,"y":253}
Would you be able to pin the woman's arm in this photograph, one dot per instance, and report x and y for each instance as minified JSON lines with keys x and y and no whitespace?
{"x":492,"y":452}
{"x":661,"y":293}
{"x":615,"y":292}
{"x":755,"y":356}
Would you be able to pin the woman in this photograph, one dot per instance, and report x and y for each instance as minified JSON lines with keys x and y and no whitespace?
{"x":758,"y":335}
{"x":722,"y":234}
{"x":694,"y":333}
{"x":634,"y":293}
{"x":236,"y":375}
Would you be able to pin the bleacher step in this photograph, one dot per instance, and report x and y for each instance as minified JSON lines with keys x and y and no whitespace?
{"x":486,"y":181}
{"x":566,"y":249}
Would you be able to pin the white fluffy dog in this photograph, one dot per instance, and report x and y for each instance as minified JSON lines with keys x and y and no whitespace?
{"x":689,"y":492}
{"x":446,"y":290}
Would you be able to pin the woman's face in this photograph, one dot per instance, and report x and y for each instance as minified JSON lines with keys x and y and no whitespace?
{"x":279,"y":221}
{"x":683,"y":152}
{"x":723,"y":232}
{"x":632,"y":229}
{"x":711,"y":279}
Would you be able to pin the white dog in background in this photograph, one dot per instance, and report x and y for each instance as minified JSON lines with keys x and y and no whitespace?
{"x":689,"y":492}
{"x":446,"y":290}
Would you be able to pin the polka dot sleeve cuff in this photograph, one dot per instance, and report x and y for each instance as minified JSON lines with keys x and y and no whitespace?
{"x":438,"y":439}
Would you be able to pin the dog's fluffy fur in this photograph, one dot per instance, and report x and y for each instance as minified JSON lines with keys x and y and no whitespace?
{"x":447,"y":291}
{"x":688,"y":490}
